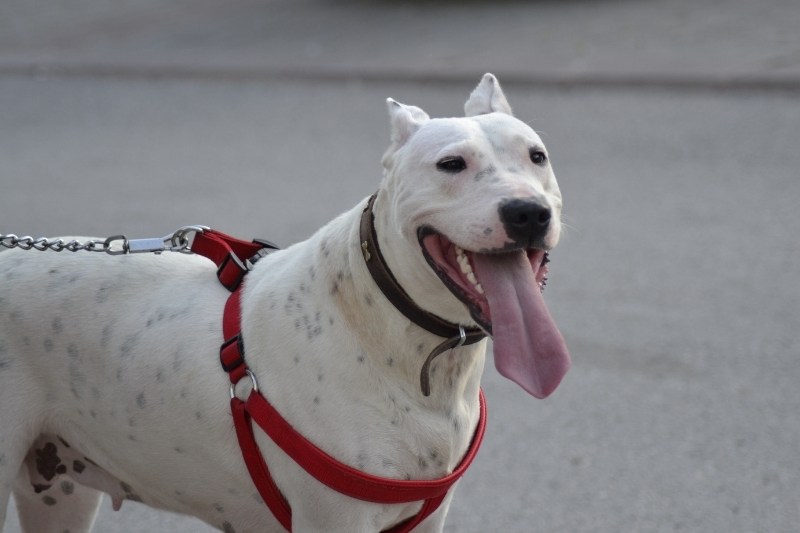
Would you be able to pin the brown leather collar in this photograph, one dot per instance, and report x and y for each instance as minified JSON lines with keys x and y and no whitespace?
{"x":456,"y":335}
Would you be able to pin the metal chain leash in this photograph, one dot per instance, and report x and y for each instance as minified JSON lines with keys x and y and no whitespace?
{"x":178,"y":241}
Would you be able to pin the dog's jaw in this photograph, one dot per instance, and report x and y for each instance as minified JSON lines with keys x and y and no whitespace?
{"x":502,"y":290}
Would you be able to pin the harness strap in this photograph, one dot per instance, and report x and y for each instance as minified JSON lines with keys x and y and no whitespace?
{"x":226,"y":252}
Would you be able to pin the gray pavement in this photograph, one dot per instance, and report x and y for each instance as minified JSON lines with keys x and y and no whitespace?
{"x":674,"y":131}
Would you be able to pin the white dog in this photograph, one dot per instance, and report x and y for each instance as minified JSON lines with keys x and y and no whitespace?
{"x":109,"y":369}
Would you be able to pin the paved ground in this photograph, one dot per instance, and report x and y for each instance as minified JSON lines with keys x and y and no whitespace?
{"x":674,"y":131}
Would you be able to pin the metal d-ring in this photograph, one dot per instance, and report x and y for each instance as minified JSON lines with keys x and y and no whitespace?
{"x":253,"y":383}
{"x":179,"y":240}
{"x":463,"y":338}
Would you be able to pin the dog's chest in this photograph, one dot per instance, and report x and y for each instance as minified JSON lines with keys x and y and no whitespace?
{"x":317,"y":334}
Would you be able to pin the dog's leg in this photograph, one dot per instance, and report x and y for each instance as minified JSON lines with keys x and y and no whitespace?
{"x":66,"y":506}
{"x":17,"y":427}
{"x":12,"y":455}
{"x":5,"y":495}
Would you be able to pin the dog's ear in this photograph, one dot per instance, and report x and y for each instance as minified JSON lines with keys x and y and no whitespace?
{"x":405,"y":120}
{"x":487,"y":98}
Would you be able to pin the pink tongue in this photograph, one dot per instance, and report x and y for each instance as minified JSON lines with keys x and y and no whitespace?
{"x":528,"y":348}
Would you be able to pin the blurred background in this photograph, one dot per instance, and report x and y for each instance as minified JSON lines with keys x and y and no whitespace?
{"x":674,"y":130}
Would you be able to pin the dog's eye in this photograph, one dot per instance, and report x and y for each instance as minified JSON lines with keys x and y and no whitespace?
{"x":537,"y":156}
{"x":451,"y":164}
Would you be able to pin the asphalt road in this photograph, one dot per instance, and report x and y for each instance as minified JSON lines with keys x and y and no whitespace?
{"x":676,"y":282}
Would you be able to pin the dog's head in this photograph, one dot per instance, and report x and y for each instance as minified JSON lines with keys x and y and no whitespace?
{"x":479,"y":197}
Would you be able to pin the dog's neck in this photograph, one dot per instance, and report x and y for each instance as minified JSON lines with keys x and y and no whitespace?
{"x":430,"y":331}
{"x":454,"y":335}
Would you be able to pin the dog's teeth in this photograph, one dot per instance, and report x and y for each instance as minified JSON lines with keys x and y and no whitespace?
{"x":466,"y":269}
{"x":463,"y":262}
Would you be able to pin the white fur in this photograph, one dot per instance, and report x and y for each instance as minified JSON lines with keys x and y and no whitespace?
{"x":117,"y":356}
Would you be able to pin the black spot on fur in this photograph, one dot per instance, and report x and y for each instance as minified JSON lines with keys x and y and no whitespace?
{"x":72,"y":351}
{"x":78,"y":466}
{"x":487,"y":172}
{"x":49,"y":500}
{"x":57,"y":325}
{"x":228,"y":528}
{"x":38,"y":488}
{"x":105,"y":335}
{"x":48,"y":463}
{"x":101,"y":296}
{"x":129,"y":492}
{"x":361,"y":461}
{"x":67,"y":487}
{"x":129,"y":344}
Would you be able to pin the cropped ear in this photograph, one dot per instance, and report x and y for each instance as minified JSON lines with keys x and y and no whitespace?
{"x":405,"y":120}
{"x":487,"y":98}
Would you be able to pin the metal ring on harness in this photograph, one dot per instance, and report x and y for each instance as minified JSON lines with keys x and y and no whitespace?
{"x":253,"y":383}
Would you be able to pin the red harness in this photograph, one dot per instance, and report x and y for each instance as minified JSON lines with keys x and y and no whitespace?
{"x":227,"y":254}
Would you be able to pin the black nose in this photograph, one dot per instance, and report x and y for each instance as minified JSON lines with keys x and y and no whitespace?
{"x":526,"y":220}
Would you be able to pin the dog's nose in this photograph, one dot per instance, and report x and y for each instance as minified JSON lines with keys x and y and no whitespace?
{"x":526,"y":220}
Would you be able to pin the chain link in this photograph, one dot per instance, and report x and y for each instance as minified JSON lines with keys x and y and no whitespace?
{"x":179,"y":241}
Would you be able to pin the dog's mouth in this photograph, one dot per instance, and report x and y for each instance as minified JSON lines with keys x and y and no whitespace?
{"x":456,"y":268}
{"x":502,"y":290}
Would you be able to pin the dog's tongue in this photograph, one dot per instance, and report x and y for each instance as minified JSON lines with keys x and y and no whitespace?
{"x":528,"y":348}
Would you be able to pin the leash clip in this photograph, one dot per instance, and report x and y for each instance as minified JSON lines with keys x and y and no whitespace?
{"x":180,"y":241}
